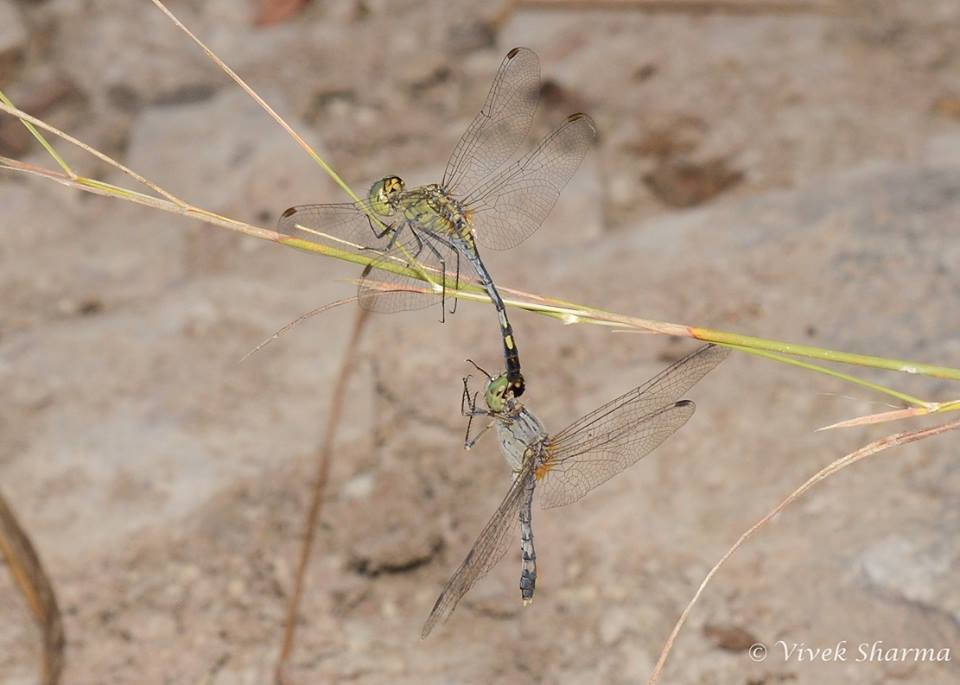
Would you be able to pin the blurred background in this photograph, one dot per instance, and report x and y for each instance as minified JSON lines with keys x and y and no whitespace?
{"x":783,"y":169}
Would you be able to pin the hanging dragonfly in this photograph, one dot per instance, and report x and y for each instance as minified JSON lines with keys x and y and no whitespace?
{"x":480,"y":200}
{"x":565,"y":466}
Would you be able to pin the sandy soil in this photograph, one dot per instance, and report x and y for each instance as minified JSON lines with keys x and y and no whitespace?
{"x":789,"y":175}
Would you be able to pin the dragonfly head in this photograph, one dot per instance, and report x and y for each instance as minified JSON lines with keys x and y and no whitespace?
{"x":384,"y":194}
{"x":496,"y":393}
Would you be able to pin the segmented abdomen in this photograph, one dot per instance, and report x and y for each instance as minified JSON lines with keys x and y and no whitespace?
{"x":528,"y":563}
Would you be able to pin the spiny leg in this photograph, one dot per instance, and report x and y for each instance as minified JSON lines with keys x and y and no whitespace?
{"x":468,"y":444}
{"x":456,"y":281}
{"x":465,"y":400}
{"x":428,"y":241}
{"x":379,"y":234}
{"x":419,"y":249}
{"x":393,"y":239}
{"x":380,"y":250}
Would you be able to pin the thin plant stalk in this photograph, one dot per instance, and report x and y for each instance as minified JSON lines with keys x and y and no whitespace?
{"x":260,"y":101}
{"x":300,"y":319}
{"x":329,"y":170}
{"x":824,"y":473}
{"x":34,"y":583}
{"x":319,"y":485}
{"x":566,"y":312}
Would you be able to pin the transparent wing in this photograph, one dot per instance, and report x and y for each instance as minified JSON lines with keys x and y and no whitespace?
{"x":508,"y":208}
{"x":568,"y":476}
{"x":502,"y":124}
{"x":486,"y":552}
{"x":609,"y":439}
{"x":383,"y":285}
{"x":345,"y":225}
{"x":663,"y":389}
{"x":387,"y":285}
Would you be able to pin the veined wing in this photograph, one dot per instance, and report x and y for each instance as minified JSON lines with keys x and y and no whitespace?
{"x":502,"y":124}
{"x":609,"y":439}
{"x":343,"y":225}
{"x":569,"y":474}
{"x":486,"y":552}
{"x":384,"y":285}
{"x":508,"y":208}
{"x":387,"y":284}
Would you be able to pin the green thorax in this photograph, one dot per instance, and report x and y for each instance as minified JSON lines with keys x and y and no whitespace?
{"x":427,"y":207}
{"x":518,"y":429}
{"x":430,"y":208}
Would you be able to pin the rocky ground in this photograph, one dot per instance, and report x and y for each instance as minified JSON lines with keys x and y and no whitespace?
{"x":794,"y":175}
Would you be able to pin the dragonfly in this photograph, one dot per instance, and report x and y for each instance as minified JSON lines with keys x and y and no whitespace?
{"x":563,"y":467}
{"x":481,"y":200}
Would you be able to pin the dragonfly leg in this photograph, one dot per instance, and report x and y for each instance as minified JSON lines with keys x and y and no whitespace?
{"x":387,"y":228}
{"x":416,"y":236}
{"x":456,"y":283}
{"x":465,"y":399}
{"x":443,"y":275}
{"x":386,"y":248}
{"x":467,"y":442}
{"x":379,"y":234}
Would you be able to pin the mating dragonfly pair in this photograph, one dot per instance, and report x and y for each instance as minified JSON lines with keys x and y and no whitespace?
{"x":421,"y":234}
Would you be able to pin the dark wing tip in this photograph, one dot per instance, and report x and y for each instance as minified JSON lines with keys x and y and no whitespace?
{"x":524,"y":53}
{"x":289,"y":212}
{"x":586,"y":118}
{"x":517,"y":50}
{"x":685,"y":403}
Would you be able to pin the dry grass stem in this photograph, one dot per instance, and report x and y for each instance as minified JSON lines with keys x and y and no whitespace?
{"x":835,"y":466}
{"x":324,"y":456}
{"x":32,"y":579}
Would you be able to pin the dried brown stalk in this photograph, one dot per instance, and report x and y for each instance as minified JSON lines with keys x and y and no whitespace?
{"x":832,"y":468}
{"x":319,"y":485}
{"x":28,"y":573}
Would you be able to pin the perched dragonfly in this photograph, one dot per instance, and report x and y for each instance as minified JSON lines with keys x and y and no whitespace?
{"x":480,"y":200}
{"x":565,"y":466}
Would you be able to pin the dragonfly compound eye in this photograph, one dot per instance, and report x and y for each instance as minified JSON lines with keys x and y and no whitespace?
{"x":383,"y":194}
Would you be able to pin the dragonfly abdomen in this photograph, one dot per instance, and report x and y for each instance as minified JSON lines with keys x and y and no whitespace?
{"x":528,"y":555}
{"x":510,"y":352}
